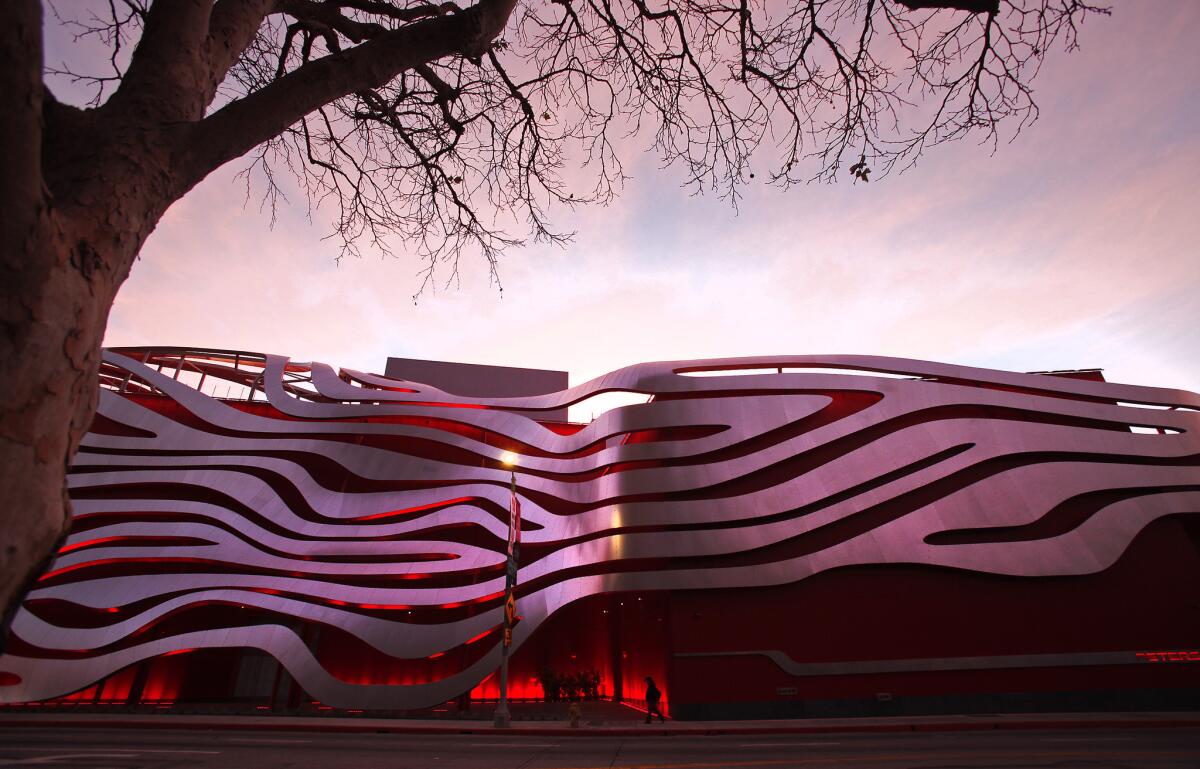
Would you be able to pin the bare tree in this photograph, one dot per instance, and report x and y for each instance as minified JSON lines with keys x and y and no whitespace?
{"x":417,"y":119}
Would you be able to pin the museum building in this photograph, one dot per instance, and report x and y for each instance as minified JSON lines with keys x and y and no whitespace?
{"x":767,"y":537}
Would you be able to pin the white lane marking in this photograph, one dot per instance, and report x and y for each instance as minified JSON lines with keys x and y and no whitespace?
{"x":785,"y":744}
{"x":1086,"y":739}
{"x":262,"y":741}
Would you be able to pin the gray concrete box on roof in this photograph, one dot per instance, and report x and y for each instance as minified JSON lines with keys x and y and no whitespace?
{"x":477,"y":380}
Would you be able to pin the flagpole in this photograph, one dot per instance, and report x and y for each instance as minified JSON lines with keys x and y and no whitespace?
{"x":501,"y":719}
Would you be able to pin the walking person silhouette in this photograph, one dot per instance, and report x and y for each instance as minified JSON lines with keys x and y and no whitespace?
{"x":653,"y":695}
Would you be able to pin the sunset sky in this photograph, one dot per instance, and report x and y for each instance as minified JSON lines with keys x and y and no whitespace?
{"x":1075,"y":246}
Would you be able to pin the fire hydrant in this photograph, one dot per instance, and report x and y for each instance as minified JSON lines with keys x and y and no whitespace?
{"x":573,"y":714}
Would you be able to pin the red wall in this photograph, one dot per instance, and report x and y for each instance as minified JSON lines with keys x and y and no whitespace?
{"x":1149,"y":600}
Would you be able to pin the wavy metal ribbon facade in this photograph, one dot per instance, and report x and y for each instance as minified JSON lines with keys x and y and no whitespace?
{"x":375,"y":510}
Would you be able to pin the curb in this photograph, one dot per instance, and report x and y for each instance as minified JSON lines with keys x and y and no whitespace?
{"x":540,"y":731}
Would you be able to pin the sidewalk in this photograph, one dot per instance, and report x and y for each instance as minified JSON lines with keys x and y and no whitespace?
{"x":608,"y":728}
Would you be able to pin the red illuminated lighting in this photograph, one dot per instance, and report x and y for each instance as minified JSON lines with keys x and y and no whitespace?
{"x":518,"y":689}
{"x":1190,"y":655}
{"x":90,"y":543}
{"x":410,"y":510}
{"x":108,"y":561}
{"x":662,"y":706}
{"x":132,"y":541}
{"x":484,"y":634}
{"x":178,"y":651}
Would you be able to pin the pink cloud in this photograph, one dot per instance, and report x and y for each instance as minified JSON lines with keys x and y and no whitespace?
{"x":1079,"y":232}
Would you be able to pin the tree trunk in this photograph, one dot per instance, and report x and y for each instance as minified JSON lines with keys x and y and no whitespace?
{"x":65,"y":256}
{"x":54,"y":301}
{"x":75,"y":208}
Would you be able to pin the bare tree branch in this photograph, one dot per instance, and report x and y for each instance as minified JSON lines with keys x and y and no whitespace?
{"x":257,"y":117}
{"x":970,"y":6}
{"x":233,"y":25}
{"x":168,"y":68}
{"x":415,"y":121}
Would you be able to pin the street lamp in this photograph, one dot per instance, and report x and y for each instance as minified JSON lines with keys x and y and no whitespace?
{"x":501,"y":719}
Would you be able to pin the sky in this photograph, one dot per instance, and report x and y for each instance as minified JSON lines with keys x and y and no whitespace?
{"x":1073,"y":247}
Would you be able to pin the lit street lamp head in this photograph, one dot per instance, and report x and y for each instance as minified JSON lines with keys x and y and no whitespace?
{"x":508,"y":459}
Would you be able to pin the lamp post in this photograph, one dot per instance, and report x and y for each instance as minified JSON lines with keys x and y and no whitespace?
{"x":501,"y":719}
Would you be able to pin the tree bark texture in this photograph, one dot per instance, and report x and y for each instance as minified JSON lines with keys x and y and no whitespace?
{"x":48,"y":388}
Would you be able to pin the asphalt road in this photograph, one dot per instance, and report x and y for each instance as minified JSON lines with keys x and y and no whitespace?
{"x":191,"y":749}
